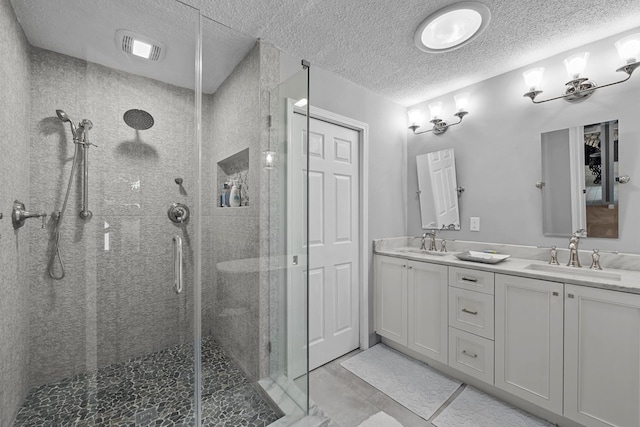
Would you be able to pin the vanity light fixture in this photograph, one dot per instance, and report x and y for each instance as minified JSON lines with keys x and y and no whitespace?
{"x":435,"y":108}
{"x":579,"y":87}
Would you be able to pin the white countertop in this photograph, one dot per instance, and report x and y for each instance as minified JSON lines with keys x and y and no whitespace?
{"x":629,"y":279}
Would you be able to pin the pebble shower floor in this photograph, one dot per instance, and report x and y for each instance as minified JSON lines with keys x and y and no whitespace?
{"x":153,"y":390}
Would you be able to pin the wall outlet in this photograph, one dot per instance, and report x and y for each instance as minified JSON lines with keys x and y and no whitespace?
{"x":474,"y":223}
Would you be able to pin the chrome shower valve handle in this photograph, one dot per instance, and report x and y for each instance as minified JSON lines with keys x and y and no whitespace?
{"x":19,"y":215}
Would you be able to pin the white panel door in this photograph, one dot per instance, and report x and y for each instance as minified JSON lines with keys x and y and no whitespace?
{"x":442,"y":171}
{"x":602,"y":357}
{"x":528,"y":339}
{"x":333,"y":240}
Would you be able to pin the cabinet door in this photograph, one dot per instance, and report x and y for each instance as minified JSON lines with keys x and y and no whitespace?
{"x":427,"y":289}
{"x":602,"y":357}
{"x":528,"y":339}
{"x":391,"y":298}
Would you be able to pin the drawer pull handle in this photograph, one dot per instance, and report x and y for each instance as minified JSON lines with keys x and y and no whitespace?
{"x":464,"y":310}
{"x":467,"y":279}
{"x":475,"y":356}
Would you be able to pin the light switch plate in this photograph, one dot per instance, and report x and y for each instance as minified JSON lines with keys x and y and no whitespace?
{"x":474,"y":223}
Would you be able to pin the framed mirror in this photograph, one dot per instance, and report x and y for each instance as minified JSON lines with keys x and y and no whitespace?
{"x":437,"y":187}
{"x":580,"y":180}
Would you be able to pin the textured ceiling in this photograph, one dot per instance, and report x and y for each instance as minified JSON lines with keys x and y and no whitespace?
{"x":369,"y":42}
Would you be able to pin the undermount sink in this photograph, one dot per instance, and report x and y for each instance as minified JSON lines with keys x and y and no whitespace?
{"x":423,"y":252}
{"x":574,"y":271}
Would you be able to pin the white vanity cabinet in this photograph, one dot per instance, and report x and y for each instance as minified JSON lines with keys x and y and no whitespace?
{"x":529,"y":339}
{"x":390,"y":281}
{"x":471,"y":322}
{"x":427,"y":316}
{"x":602,"y":357}
{"x":572,"y":350}
{"x":411,"y":305}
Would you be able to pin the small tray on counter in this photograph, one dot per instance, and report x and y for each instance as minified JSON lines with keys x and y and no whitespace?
{"x":483,"y":257}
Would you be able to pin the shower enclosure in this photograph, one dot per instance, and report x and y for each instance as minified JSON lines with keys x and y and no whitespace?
{"x":172,"y":308}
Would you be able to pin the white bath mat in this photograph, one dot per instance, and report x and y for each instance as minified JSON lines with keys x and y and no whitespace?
{"x":414,"y":385}
{"x":381,"y":419}
{"x":473,"y":408}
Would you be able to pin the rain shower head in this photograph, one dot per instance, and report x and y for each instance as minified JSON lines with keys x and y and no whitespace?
{"x":65,"y":118}
{"x":138,"y":119}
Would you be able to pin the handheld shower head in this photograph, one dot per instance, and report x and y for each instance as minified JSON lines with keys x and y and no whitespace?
{"x":65,"y":118}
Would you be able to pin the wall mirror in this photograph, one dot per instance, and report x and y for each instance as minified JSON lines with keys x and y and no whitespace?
{"x":437,"y":187}
{"x":580,"y":180}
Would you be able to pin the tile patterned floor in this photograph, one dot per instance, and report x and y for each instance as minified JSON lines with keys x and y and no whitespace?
{"x":348,"y":401}
{"x":154,"y":390}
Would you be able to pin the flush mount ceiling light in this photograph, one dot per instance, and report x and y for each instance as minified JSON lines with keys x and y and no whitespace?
{"x":452,"y":27}
{"x":139,"y":46}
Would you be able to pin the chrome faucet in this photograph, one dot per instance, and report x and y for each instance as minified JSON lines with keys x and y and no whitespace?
{"x":574,"y":258}
{"x":432,"y":241}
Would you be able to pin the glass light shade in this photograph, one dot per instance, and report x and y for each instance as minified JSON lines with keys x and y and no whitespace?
{"x":629,"y":48}
{"x":269,"y":159}
{"x":576,"y":64}
{"x":415,"y":116}
{"x":462,"y":101}
{"x":533,"y":78}
{"x":435,"y":108}
{"x":451,"y":29}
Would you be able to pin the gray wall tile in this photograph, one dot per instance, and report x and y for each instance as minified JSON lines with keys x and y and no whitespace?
{"x":14,"y":246}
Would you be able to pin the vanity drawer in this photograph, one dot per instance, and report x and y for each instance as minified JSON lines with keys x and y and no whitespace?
{"x":471,"y":312}
{"x":475,"y":280}
{"x":471,"y":354}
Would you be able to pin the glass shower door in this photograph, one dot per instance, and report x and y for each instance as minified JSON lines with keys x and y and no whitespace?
{"x":111,"y":338}
{"x":285,"y":163}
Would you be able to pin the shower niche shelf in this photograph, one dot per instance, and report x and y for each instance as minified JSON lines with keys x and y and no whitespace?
{"x":235,"y":168}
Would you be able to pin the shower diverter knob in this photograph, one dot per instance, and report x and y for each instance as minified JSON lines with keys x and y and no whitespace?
{"x":178,"y":213}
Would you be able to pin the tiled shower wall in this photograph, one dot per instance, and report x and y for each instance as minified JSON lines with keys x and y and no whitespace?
{"x":116,"y":300}
{"x":14,"y":184}
{"x":235,"y":291}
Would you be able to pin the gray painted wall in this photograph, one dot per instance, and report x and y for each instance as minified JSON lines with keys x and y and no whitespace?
{"x":387,"y":144}
{"x":118,"y":303}
{"x":14,"y":245}
{"x":498,"y":151}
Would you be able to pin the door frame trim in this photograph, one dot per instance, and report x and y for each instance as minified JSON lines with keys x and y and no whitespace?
{"x":363,"y":175}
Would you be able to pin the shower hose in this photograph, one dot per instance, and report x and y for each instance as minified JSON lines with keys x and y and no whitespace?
{"x":56,"y":233}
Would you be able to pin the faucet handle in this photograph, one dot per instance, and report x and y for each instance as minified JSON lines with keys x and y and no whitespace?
{"x":578,"y":233}
{"x":443,"y":245}
{"x":595,"y":260}
{"x":554,"y":256}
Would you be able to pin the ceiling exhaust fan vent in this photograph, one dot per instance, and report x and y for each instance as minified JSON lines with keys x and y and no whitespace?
{"x":139,"y":46}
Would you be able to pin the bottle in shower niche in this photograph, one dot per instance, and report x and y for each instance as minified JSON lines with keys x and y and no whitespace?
{"x":222,"y":193}
{"x":227,"y":193}
{"x":234,"y":195}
